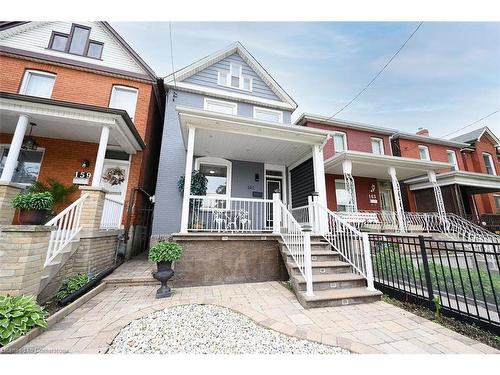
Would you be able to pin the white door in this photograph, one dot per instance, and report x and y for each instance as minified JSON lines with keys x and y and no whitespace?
{"x":115,"y":178}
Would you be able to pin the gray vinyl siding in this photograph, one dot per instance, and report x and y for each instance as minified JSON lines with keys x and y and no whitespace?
{"x":243,"y":182}
{"x":208,"y":78}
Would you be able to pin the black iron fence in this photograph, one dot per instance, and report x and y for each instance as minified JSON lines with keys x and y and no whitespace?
{"x":463,"y":277}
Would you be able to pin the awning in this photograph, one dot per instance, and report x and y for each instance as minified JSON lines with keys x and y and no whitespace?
{"x":247,"y":139}
{"x":474,"y":183}
{"x":70,"y":121}
{"x":366,"y":164}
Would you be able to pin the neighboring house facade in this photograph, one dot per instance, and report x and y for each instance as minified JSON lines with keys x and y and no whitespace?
{"x":81,"y":105}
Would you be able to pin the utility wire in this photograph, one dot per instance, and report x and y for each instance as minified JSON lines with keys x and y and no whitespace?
{"x":172,"y":53}
{"x":378,"y":74}
{"x":472,"y":123}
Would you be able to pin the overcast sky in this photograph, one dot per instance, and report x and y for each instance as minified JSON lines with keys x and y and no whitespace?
{"x":447,"y":76}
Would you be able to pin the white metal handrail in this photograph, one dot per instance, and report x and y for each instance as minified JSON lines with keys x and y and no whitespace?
{"x":68,"y":226}
{"x":352,"y":245}
{"x":227,"y":214}
{"x":298,"y":243}
{"x":111,"y":214}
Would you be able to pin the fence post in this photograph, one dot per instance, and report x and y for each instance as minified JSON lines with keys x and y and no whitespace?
{"x":306,"y":229}
{"x":427,"y":272}
{"x":368,"y":261}
{"x":276,"y":212}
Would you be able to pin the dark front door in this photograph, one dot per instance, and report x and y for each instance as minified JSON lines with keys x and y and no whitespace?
{"x":271,"y":186}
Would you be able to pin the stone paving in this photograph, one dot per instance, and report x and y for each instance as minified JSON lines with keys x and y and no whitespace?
{"x":367,"y":328}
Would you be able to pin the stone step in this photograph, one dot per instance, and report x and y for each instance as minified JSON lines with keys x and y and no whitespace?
{"x":332,"y":281}
{"x":319,"y":255}
{"x":338,"y":297}
{"x":325,"y":267}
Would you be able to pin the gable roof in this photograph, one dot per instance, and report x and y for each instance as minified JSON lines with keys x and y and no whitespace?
{"x":149,"y":74}
{"x":214,"y":58}
{"x":476,"y":135}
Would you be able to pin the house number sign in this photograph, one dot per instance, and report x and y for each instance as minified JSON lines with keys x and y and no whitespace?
{"x":81,"y":178}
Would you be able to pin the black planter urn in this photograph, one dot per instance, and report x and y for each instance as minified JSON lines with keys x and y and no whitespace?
{"x":164,"y":273}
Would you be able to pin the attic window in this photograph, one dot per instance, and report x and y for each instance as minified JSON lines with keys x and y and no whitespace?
{"x":77,"y":42}
{"x":234,"y":78}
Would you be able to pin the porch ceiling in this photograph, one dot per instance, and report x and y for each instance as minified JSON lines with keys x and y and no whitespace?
{"x":237,"y":138}
{"x":376,"y":166}
{"x":473,"y":182}
{"x":62,"y":121}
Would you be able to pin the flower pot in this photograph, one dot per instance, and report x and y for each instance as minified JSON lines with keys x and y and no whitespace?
{"x":163,"y":274}
{"x":32,"y":217}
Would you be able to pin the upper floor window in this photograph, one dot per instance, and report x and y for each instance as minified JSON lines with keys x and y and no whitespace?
{"x":378,"y":146}
{"x":235,"y":78}
{"x":76,"y":42}
{"x":497,"y":202}
{"x":339,"y":142}
{"x":424,"y":153}
{"x":221,"y":106}
{"x":452,"y":159}
{"x":124,"y":98}
{"x":488,"y":162}
{"x":36,"y":83}
{"x":268,"y":114}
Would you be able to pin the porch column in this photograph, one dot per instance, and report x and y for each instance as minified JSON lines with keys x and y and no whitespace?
{"x":187,"y":180}
{"x":320,"y":185}
{"x":350,"y":186}
{"x":398,"y":200}
{"x":14,"y":149}
{"x":101,"y":154}
{"x":437,"y":194}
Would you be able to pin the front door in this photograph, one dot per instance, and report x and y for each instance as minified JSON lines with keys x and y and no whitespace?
{"x":272,"y":184}
{"x":115,"y":178}
{"x":385,"y":193}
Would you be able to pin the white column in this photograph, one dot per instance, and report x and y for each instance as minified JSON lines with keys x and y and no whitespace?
{"x":101,"y":154}
{"x":320,"y":185}
{"x":350,"y":186}
{"x":187,"y":180}
{"x":398,"y":200}
{"x":437,"y":194}
{"x":14,"y":149}
{"x":276,"y":213}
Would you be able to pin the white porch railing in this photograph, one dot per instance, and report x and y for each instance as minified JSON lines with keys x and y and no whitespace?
{"x":111,"y":214}
{"x":298,"y":242}
{"x":301,"y":214}
{"x":352,"y":245}
{"x":68,"y":226}
{"x":215,"y":214}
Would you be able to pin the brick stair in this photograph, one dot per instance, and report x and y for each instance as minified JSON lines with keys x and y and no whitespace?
{"x":334,"y":282}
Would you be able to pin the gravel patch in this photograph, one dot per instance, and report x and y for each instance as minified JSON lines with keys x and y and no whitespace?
{"x":208,"y":329}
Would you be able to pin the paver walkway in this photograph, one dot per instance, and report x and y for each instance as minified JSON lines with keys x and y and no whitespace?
{"x":367,"y":328}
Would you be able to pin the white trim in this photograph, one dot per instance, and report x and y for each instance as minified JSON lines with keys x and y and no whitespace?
{"x":344,"y":134}
{"x":124,"y":88}
{"x":491,"y":134}
{"x":492,"y":164}
{"x":229,"y":76}
{"x":381,"y":142}
{"x":233,"y":106}
{"x":273,"y":111}
{"x":284,"y":184}
{"x":26,"y":78}
{"x":456,"y":178}
{"x":455,"y":160}
{"x":427,"y":153}
{"x":217,"y":161}
{"x":300,"y":161}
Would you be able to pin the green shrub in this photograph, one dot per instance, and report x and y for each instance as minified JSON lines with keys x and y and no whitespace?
{"x":18,"y":315}
{"x":59,"y":191}
{"x":33,"y":201}
{"x":73,"y":284}
{"x":199,"y":183}
{"x":165,"y":251}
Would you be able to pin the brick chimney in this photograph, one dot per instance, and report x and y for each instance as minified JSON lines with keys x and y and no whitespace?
{"x":423,"y":131}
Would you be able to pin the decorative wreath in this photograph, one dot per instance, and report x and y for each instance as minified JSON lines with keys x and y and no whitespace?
{"x":114,"y":176}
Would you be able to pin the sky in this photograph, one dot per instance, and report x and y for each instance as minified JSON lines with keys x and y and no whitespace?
{"x":446,"y":77}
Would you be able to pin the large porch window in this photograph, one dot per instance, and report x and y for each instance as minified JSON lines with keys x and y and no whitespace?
{"x":218,"y":173}
{"x":28,"y":165}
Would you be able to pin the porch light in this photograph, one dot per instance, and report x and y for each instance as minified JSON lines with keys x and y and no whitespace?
{"x":29,"y":142}
{"x":211,"y":172}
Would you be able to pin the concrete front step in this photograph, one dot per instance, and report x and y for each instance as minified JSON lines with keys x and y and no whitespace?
{"x":332,"y":281}
{"x":338,"y":297}
{"x":319,"y":255}
{"x":325,"y":267}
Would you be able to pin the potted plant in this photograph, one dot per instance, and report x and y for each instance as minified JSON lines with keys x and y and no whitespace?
{"x":199,"y":184}
{"x":33,"y":207}
{"x":164,"y":253}
{"x":59,"y":191}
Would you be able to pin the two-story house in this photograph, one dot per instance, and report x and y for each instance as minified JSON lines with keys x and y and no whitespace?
{"x":77,"y":105}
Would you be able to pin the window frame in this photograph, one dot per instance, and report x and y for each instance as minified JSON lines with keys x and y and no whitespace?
{"x":26,"y":78}
{"x":381,"y":142}
{"x":344,"y":134}
{"x":496,"y":198}
{"x":336,"y":197}
{"x":229,"y":76}
{"x":126,"y":88}
{"x":427,"y":152}
{"x":492,"y":163}
{"x":274,"y":111}
{"x":206,"y":101}
{"x":51,"y":40}
{"x":4,"y":146}
{"x":220,"y":162}
{"x":70,"y":38}
{"x":455,"y":160}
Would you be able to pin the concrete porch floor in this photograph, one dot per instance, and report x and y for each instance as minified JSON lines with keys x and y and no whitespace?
{"x":367,"y":328}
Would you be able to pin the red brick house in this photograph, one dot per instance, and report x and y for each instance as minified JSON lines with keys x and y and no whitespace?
{"x":89,"y":102}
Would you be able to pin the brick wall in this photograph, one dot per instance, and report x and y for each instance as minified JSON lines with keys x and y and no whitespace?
{"x":363,"y":190}
{"x":409,"y":149}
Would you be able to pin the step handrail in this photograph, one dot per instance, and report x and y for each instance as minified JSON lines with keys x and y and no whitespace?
{"x":67,"y":224}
